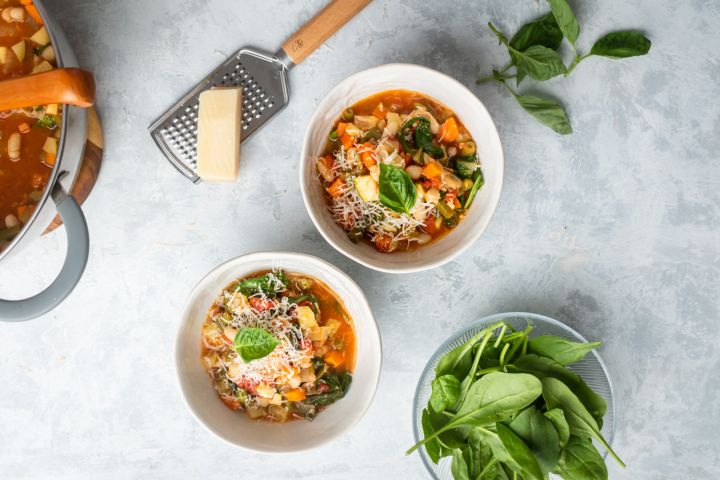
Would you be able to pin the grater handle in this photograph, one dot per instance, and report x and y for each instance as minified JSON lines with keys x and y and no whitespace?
{"x":314,"y":33}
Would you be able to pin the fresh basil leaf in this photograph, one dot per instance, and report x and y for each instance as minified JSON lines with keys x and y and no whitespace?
{"x":254,"y":343}
{"x":445,"y":392}
{"x":565,"y":19}
{"x":459,"y":468}
{"x":520,"y":452}
{"x":622,"y":44}
{"x":502,"y":39}
{"x":538,"y":62}
{"x":397,"y":190}
{"x":580,"y":460}
{"x":542,"y":31}
{"x":581,"y":422}
{"x":563,"y":351}
{"x":557,"y":417}
{"x":539,"y":433}
{"x":548,"y":112}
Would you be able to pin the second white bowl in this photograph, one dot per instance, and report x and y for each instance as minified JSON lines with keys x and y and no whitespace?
{"x":469,"y":110}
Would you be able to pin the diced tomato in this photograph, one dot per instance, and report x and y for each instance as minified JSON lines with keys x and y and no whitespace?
{"x":452,"y":198}
{"x":337,"y":187}
{"x":261,"y":304}
{"x":383,"y":243}
{"x":435,"y":182}
{"x":232,"y":403}
{"x":430,"y":226}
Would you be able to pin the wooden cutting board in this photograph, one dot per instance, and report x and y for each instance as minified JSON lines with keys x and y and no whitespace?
{"x":90,"y":166}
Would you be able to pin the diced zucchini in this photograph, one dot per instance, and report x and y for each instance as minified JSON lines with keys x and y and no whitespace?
{"x":367,"y":188}
{"x":352,"y":130}
{"x":41,"y":37}
{"x":366,"y":122}
{"x":19,"y":49}
{"x":3,"y":54}
{"x":52,"y":109}
{"x":51,"y":146}
{"x":41,"y":67}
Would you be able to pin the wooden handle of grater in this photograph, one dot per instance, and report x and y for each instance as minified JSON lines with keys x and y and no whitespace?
{"x":321,"y":27}
{"x":70,"y":86}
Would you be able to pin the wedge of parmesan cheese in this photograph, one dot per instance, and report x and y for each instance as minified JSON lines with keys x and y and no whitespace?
{"x":218,"y":141}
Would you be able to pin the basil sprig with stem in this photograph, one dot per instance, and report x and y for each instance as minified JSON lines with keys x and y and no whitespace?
{"x":533,"y":53}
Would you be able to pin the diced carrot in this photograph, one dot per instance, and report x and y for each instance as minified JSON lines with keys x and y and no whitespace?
{"x":336,"y":187}
{"x":347,"y":141}
{"x":23,"y":128}
{"x":380,"y":111}
{"x":432,"y":170}
{"x":367,"y":156}
{"x":50,"y":158}
{"x":334,"y":358}
{"x":449,"y":130}
{"x":295,"y":395}
{"x":33,"y":12}
{"x":25,"y":212}
{"x":341,"y":129}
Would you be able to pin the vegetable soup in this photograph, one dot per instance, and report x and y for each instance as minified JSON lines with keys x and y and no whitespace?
{"x":279,"y":346}
{"x":28,"y":137}
{"x":399,"y":170}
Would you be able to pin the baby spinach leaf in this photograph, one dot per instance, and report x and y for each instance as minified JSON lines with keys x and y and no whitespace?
{"x":445,"y":392}
{"x":254,"y":343}
{"x":542,"y":31}
{"x":548,"y":112}
{"x":482,"y":464}
{"x":432,"y":447}
{"x":520,"y":452}
{"x":557,"y":417}
{"x":580,"y":460}
{"x":540,"y":435}
{"x":459,"y":360}
{"x":582,"y":424}
{"x":488,"y":437}
{"x":459,"y":468}
{"x":565,"y":19}
{"x":563,"y":351}
{"x":623,"y":44}
{"x":543,"y":367}
{"x":397,"y":190}
{"x":539,"y":62}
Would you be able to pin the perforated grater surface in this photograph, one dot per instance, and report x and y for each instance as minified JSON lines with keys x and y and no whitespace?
{"x":263,"y":78}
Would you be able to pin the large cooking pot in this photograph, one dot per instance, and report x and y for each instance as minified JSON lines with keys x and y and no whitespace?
{"x":56,"y":200}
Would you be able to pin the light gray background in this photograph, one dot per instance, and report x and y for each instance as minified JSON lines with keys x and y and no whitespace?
{"x":613,"y":230}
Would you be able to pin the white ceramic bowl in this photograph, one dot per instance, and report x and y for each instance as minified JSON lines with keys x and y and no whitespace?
{"x":237,"y":428}
{"x":469,"y":110}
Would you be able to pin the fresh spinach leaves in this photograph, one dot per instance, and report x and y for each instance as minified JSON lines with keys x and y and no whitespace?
{"x":270,"y":284}
{"x":504,"y":405}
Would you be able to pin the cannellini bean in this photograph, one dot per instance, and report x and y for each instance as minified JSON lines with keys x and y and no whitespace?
{"x":423,"y":238}
{"x":11,"y":221}
{"x":13,"y":146}
{"x":451,"y":152}
{"x":432,"y":195}
{"x":414,"y":171}
{"x":13,"y":14}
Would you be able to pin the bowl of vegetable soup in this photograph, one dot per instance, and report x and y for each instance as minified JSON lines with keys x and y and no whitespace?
{"x":401,"y":168}
{"x":278,"y":352}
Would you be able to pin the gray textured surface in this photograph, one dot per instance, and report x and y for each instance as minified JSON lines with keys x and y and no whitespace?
{"x":613,"y":230}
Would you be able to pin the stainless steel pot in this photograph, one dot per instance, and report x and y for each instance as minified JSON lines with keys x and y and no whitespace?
{"x":56,"y":200}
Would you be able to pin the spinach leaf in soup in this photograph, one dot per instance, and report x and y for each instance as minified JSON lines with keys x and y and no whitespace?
{"x":270,"y":284}
{"x":332,"y":387}
{"x":397,"y":190}
{"x":561,"y":350}
{"x":420,"y":138}
{"x":254,"y":343}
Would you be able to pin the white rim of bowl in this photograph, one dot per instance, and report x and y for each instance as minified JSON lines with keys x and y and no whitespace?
{"x":491,"y":319}
{"x":431,"y":264}
{"x":259,"y":255}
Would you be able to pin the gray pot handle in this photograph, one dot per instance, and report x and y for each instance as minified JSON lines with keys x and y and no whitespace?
{"x":78,"y":243}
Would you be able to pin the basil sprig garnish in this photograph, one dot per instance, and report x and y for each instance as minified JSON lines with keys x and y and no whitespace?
{"x":397,"y":190}
{"x":254,"y":343}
